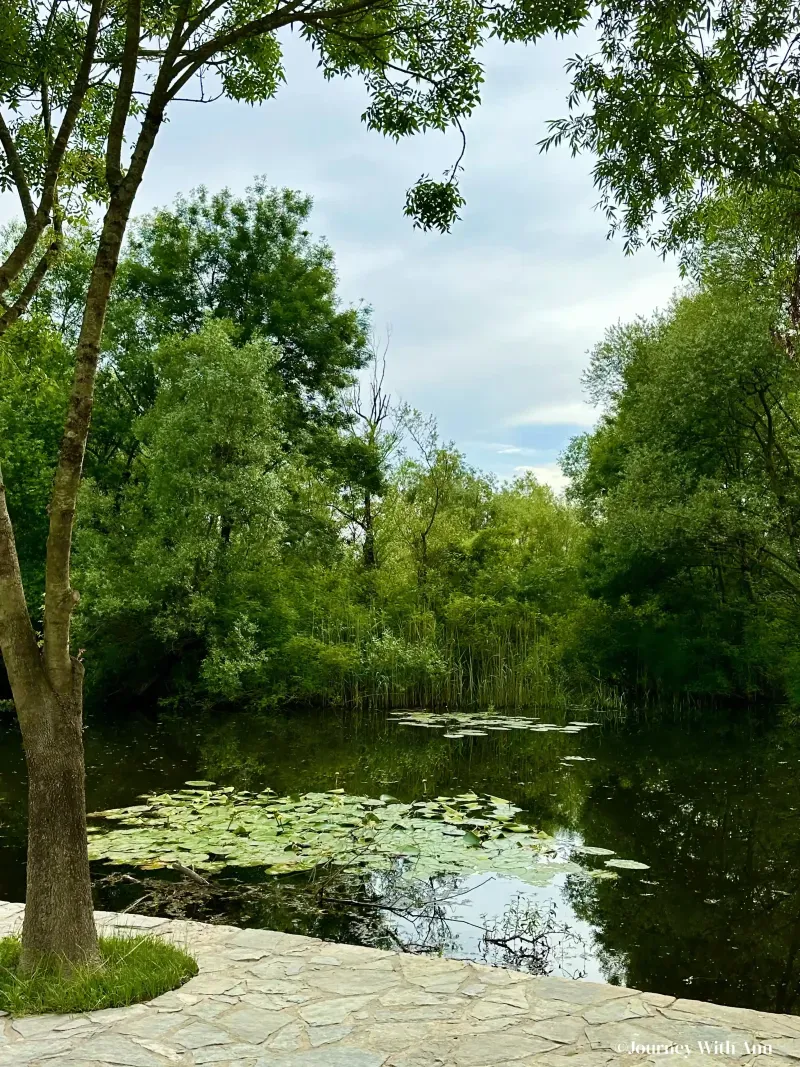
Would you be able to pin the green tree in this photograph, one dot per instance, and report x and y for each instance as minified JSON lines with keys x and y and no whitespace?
{"x":251,"y":261}
{"x":70,"y":83}
{"x":690,"y":488}
{"x":34,"y":368}
{"x":175,"y":564}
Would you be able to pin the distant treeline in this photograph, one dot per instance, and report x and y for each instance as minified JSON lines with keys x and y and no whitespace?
{"x":254,"y":527}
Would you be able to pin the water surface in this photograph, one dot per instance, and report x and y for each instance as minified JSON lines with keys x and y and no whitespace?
{"x":709,"y":801}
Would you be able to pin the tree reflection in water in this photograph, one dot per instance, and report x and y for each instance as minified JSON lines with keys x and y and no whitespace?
{"x":384,"y":910}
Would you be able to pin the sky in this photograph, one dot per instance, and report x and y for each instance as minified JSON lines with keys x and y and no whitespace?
{"x":490,"y":326}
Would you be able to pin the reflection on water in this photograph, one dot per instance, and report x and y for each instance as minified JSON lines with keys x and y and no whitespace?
{"x":710,"y":803}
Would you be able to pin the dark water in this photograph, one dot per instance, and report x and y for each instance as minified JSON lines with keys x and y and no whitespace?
{"x":711,"y":802}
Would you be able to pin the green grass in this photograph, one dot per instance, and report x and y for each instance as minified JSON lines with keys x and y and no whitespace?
{"x":132,"y":969}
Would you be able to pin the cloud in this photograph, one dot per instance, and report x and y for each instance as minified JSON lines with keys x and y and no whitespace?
{"x":573,"y":414}
{"x":547,"y":474}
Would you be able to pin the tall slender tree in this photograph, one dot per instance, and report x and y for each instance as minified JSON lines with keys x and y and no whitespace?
{"x":80,"y":79}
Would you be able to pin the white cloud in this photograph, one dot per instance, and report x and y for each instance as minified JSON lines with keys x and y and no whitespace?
{"x":573,"y":414}
{"x":548,"y":474}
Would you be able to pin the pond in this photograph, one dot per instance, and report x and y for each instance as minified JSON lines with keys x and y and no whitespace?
{"x":704,"y":805}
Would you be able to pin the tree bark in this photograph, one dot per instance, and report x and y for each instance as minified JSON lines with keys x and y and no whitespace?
{"x":58,"y":925}
{"x":58,"y":928}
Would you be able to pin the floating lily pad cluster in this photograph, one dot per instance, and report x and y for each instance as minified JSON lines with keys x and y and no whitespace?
{"x":208,"y":828}
{"x":480,"y":724}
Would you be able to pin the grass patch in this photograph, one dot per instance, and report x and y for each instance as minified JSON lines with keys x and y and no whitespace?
{"x":132,"y":969}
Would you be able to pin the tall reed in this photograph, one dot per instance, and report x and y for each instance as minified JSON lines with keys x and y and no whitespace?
{"x":421,"y":661}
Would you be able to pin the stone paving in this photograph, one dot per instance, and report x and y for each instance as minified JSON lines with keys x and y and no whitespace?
{"x":264,"y":999}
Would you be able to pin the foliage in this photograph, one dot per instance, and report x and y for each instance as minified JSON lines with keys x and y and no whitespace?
{"x":162,"y":561}
{"x":34,"y":370}
{"x":260,"y":539}
{"x":131,"y":969}
{"x":250,"y":261}
{"x":262,"y":531}
{"x":417,"y":59}
{"x":689,"y":486}
{"x":683,"y":102}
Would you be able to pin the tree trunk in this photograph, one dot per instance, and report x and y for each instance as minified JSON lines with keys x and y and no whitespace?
{"x":47,"y":683}
{"x":59,"y":927}
{"x":370,"y":559}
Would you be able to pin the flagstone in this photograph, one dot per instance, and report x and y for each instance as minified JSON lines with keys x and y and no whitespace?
{"x":269,"y":999}
{"x":514,"y":995}
{"x":332,"y":1011}
{"x":220,"y":1055}
{"x":484,"y":1050}
{"x":119,"y":1051}
{"x":580,"y":993}
{"x":16,"y":1052}
{"x":567,"y":1029}
{"x":39,"y":1025}
{"x":289,"y":1039}
{"x":251,"y":1024}
{"x":199,"y":1035}
{"x":334,"y":1057}
{"x":617,"y":1011}
{"x":153,"y":1024}
{"x":699,"y":1011}
{"x":617,"y":1035}
{"x":326,"y":1035}
{"x":428,"y":1011}
{"x":352,"y":983}
{"x":485,"y":1009}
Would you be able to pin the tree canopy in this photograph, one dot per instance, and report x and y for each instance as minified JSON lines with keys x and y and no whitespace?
{"x":680,"y":102}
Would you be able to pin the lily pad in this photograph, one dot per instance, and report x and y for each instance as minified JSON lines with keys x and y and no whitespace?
{"x":628,"y":865}
{"x":462,"y":834}
{"x":474,"y":724}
